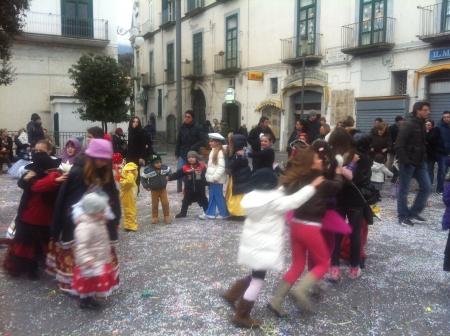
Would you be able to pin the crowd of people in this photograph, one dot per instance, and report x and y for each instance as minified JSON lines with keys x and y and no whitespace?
{"x":71,"y":206}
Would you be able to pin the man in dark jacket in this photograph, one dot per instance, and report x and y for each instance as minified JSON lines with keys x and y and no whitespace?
{"x":312,"y":127}
{"x":435,"y":154}
{"x":34,"y":130}
{"x":262,"y":128}
{"x":411,"y":152}
{"x":190,"y":137}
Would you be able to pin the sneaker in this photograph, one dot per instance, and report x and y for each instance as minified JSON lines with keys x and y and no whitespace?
{"x":406,"y":222}
{"x":202,"y":216}
{"x":222,"y":217}
{"x":418,"y":218}
{"x":354,"y":273}
{"x":335,"y":273}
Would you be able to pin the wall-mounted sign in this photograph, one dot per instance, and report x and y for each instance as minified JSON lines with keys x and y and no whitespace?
{"x":229,"y":95}
{"x":439,"y":54}
{"x":255,"y":75}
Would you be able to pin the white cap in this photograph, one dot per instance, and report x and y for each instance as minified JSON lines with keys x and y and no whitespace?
{"x":216,"y":136}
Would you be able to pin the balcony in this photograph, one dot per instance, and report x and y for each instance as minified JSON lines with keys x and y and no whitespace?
{"x":147,"y":29}
{"x":294,"y":49}
{"x":194,"y":7}
{"x":43,"y":27}
{"x":368,"y":36}
{"x":147,"y":80}
{"x":193,"y":70}
{"x":167,"y":18}
{"x":434,"y":24}
{"x":227,"y":64}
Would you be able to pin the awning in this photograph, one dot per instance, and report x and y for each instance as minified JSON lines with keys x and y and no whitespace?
{"x":427,"y":71}
{"x":269,"y":102}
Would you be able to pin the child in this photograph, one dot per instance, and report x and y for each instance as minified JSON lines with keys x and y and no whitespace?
{"x":261,"y":246}
{"x":154,"y":178}
{"x":40,"y":187}
{"x":128,"y":189}
{"x":94,"y":274}
{"x":305,"y":228}
{"x":216,"y":177}
{"x":193,"y":174}
{"x":379,"y":171}
{"x":240,"y":173}
{"x":71,"y":150}
{"x":266,"y":156}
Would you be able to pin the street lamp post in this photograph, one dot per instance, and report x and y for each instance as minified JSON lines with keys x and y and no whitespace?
{"x":178,"y":59}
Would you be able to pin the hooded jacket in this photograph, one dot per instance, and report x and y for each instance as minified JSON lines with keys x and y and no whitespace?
{"x":411,"y":144}
{"x":262,"y":239}
{"x":379,"y":171}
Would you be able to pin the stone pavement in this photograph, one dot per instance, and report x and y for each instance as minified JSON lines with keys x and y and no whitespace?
{"x":171,"y":277}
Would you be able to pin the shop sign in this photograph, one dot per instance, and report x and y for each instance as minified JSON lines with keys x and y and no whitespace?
{"x":439,"y":54}
{"x":255,"y":76}
{"x":229,"y":95}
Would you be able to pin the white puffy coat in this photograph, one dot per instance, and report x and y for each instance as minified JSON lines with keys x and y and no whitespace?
{"x":262,"y":239}
{"x":379,"y":171}
{"x":215,"y":173}
{"x":91,"y":245}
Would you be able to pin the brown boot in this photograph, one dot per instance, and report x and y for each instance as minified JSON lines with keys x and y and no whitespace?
{"x":276,"y":303}
{"x":236,"y":291}
{"x":155,"y":220}
{"x":301,"y":292}
{"x":167,"y":219}
{"x":242,"y":317}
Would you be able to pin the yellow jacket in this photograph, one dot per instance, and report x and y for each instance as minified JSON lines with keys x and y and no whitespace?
{"x":128,"y":190}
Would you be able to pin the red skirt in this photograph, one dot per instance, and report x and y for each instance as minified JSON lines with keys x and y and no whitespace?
{"x":101,"y":285}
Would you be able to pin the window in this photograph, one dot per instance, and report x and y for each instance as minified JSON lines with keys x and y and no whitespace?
{"x":138,"y":71}
{"x":170,"y":63}
{"x":231,"y":46}
{"x":274,"y":85}
{"x":372,"y":22}
{"x":306,"y":27}
{"x":159,"y":103}
{"x":168,"y":11}
{"x":197,"y":50}
{"x":77,"y":18}
{"x":445,"y":25}
{"x":151,"y":68}
{"x":399,"y":82}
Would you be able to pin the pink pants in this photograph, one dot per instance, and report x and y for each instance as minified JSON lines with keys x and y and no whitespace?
{"x":307,"y":240}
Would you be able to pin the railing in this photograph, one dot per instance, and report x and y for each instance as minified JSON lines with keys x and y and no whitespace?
{"x":52,"y":24}
{"x":147,"y":27}
{"x":227,"y":62}
{"x":369,"y":32}
{"x":148,"y":79}
{"x":311,"y":74}
{"x":433,"y":20}
{"x":167,"y":16}
{"x":193,"y":5}
{"x":193,"y":69}
{"x":298,"y":46}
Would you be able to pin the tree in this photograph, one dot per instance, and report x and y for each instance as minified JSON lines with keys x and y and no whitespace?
{"x":101,"y":85}
{"x":11,"y":23}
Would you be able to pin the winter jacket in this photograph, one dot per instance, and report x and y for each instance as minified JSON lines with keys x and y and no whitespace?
{"x":262,"y":240}
{"x":91,"y":244}
{"x":155,"y":179}
{"x":253,"y":137}
{"x":70,"y":193}
{"x":380,"y":144}
{"x":379,"y":171}
{"x":194,"y":179}
{"x":190,"y":137}
{"x":446,"y":199}
{"x":136,"y":145}
{"x":435,"y":145}
{"x":295,"y":135}
{"x":445,"y":136}
{"x":215,"y":173}
{"x":240,"y":171}
{"x":411,"y":144}
{"x":263,"y":158}
{"x":393,"y":132}
{"x":312,"y":129}
{"x":35,"y":133}
{"x":119,"y":145}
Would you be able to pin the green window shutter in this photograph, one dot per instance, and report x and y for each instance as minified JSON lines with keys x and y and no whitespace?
{"x":170,"y":63}
{"x":231,"y":43}
{"x":372,"y":25}
{"x":77,"y":18}
{"x":306,"y":27}
{"x":197,"y":56}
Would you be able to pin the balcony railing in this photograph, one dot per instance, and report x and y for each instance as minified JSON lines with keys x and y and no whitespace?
{"x":368,"y":36}
{"x":227,"y":63}
{"x":167,"y":18}
{"x":434,"y":24}
{"x":147,"y":28}
{"x":194,"y":7}
{"x":148,"y":79}
{"x":295,"y":48}
{"x":193,"y":70}
{"x":75,"y":27}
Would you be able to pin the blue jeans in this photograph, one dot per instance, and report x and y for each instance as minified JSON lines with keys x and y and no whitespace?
{"x":406,"y":173}
{"x":180,"y":163}
{"x":440,"y":173}
{"x":216,"y":199}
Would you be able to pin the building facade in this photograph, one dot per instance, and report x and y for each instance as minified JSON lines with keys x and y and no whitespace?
{"x":56,"y":34}
{"x":243,"y":59}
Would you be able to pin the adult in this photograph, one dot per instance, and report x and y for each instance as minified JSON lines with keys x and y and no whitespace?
{"x":190,"y":138}
{"x":93,"y":173}
{"x":393,"y":132}
{"x":262,"y":128}
{"x":137,"y":142}
{"x":22,"y":145}
{"x":243,"y":131}
{"x":216,"y":126}
{"x":6,"y":149}
{"x":119,"y":142}
{"x":94,"y":132}
{"x":376,"y":122}
{"x":325,"y":129}
{"x":150,"y":133}
{"x":34,"y":130}
{"x":411,"y":152}
{"x":444,"y":128}
{"x":299,"y":133}
{"x":435,"y":154}
{"x":313,"y":127}
{"x":380,"y":140}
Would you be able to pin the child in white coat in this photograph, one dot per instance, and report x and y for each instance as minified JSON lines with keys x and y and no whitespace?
{"x":262,"y":239}
{"x":379,"y":172}
{"x":216,"y":178}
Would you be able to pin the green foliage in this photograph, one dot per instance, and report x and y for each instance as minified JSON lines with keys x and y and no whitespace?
{"x":103,"y":87}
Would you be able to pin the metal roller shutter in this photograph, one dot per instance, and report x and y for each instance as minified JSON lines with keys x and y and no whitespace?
{"x":439,"y":103}
{"x":369,"y":109}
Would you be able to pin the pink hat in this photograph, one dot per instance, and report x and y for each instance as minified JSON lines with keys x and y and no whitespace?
{"x":100,"y":149}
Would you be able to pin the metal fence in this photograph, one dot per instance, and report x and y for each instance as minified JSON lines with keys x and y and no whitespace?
{"x":368,"y":32}
{"x":433,"y":20}
{"x":297,"y":46}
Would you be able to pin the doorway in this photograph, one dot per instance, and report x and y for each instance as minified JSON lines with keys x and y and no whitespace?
{"x":171,"y":129}
{"x":231,"y":115}
{"x":199,"y":106}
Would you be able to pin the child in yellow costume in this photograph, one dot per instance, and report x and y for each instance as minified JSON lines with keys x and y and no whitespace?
{"x":128,"y":190}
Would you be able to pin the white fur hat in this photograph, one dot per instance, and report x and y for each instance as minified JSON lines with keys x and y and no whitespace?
{"x":93,"y":203}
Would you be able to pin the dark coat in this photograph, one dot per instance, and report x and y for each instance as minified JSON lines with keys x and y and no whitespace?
{"x":194,"y":181}
{"x":411,"y":144}
{"x":119,"y":145}
{"x":379,"y":143}
{"x":21,"y":149}
{"x":137,"y":142}
{"x":446,"y":199}
{"x":70,"y":193}
{"x":312,"y":129}
{"x":445,"y":135}
{"x":393,"y":131}
{"x":263,"y":159}
{"x":239,"y":169}
{"x":253,"y":137}
{"x":190,"y":137}
{"x":35,"y":133}
{"x":8,"y":144}
{"x":435,"y":146}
